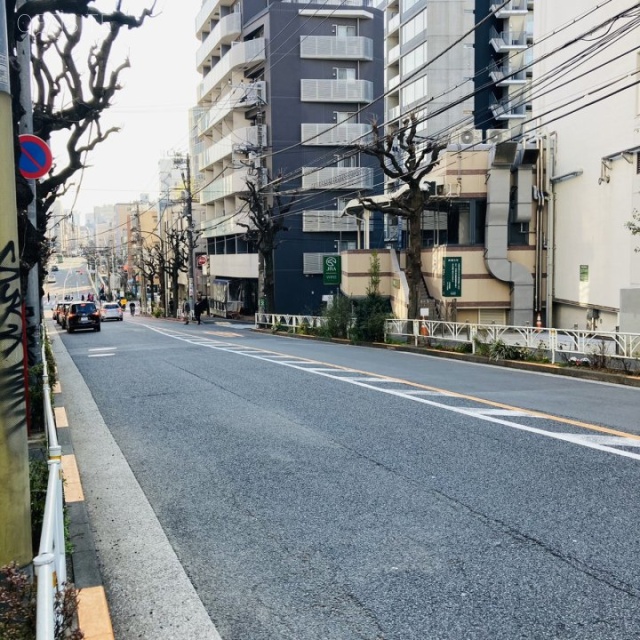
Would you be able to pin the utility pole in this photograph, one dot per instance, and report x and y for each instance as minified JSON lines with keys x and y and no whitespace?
{"x":140,"y":256}
{"x":185,"y":164}
{"x":15,"y":500}
{"x":34,"y":313}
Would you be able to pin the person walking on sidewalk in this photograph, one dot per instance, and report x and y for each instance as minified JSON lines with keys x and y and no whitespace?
{"x":186,"y":310}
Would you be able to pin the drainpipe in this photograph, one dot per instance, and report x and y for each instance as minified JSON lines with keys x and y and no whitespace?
{"x":551,"y":225}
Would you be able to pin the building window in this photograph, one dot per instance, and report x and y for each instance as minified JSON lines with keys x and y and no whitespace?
{"x":345,"y":73}
{"x":344,"y":116}
{"x":414,"y":59}
{"x":347,"y":162}
{"x":345,"y":30}
{"x":416,"y":26}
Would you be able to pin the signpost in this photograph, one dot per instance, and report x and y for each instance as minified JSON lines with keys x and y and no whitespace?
{"x":331,"y":270}
{"x":35,"y":157}
{"x":202,"y":260}
{"x":452,"y":277}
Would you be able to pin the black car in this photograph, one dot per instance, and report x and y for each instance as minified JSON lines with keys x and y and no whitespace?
{"x":54,"y":267}
{"x":82,"y":315}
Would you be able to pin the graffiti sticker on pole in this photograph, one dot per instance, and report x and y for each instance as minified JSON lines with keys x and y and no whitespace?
{"x":35,"y":156}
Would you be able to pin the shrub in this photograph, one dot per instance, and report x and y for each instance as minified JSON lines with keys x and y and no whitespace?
{"x":370,"y":315}
{"x":18,"y":608}
{"x":338,"y":318}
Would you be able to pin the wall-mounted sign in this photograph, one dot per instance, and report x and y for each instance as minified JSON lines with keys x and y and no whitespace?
{"x":452,"y":277}
{"x":331,"y":270}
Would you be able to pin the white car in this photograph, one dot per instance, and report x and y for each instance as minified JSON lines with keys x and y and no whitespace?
{"x":51,"y":278}
{"x":110,"y":311}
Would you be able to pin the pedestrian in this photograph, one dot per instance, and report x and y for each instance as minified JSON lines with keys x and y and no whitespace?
{"x":48,"y":297}
{"x":171,"y":307}
{"x":198,"y":308}
{"x":186,"y":310}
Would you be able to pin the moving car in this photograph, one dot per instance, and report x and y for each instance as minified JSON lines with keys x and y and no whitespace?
{"x":54,"y":267}
{"x":51,"y":278}
{"x":110,"y":311}
{"x":82,"y":315}
{"x":59,"y":312}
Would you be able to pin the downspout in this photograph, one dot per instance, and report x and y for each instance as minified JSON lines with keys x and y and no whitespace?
{"x":497,"y":235}
{"x":551,"y":225}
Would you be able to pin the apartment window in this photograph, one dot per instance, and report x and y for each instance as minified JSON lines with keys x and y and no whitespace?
{"x":414,"y":91}
{"x":347,"y":162}
{"x":345,"y":30}
{"x":344,"y":73}
{"x":407,"y":4}
{"x":344,"y":116}
{"x":414,"y":59}
{"x":416,"y":26}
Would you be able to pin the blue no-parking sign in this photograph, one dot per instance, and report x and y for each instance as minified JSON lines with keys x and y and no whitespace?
{"x":35,"y":157}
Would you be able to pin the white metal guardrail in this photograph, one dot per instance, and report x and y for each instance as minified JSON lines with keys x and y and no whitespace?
{"x":50,"y":563}
{"x":557,"y":342}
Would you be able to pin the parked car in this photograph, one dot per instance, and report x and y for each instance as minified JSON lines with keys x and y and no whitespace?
{"x":110,"y":311}
{"x":82,"y":315}
{"x":60,"y":311}
{"x":51,"y":278}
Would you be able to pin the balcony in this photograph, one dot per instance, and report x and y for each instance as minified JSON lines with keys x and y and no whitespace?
{"x":210,"y":11}
{"x":320,"y":134}
{"x":239,"y":140}
{"x":240,"y":97}
{"x":507,"y":110}
{"x":512,"y":8}
{"x":314,"y":90}
{"x":336,"y":48}
{"x":393,"y":25}
{"x":393,"y":54}
{"x":243,"y":55}
{"x":505,"y":41}
{"x":223,"y":187}
{"x":394,"y":114}
{"x":341,"y":3}
{"x":328,"y":178}
{"x":506,"y":75}
{"x":327,"y":220}
{"x":225,"y":32}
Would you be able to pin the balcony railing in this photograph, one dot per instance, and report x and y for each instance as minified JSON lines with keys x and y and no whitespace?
{"x":210,"y":9}
{"x":393,"y":54}
{"x":336,"y":47}
{"x":331,"y":134}
{"x":512,"y":8}
{"x":393,"y":24}
{"x":507,"y":110}
{"x":328,"y":220}
{"x":504,"y":75}
{"x":238,"y":140}
{"x":316,"y":90}
{"x":243,"y":55}
{"x":227,"y":30}
{"x":508,"y":40}
{"x":337,"y":178}
{"x":240,"y":97}
{"x":342,"y":3}
{"x":223,"y":187}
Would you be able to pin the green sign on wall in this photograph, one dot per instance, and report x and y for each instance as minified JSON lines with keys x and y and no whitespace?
{"x":451,"y":277}
{"x":331,"y":270}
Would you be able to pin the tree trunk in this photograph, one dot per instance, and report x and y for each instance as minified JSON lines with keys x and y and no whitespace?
{"x":269,"y":282}
{"x":414,"y":255}
{"x":263,"y":305}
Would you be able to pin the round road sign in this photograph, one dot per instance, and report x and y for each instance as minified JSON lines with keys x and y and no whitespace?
{"x":202,"y":260}
{"x":35,"y":157}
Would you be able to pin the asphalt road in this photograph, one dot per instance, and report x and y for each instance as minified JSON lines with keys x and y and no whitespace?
{"x":319,"y":491}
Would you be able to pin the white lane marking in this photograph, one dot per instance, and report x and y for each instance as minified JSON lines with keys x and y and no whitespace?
{"x":100,"y":355}
{"x":617,"y":441}
{"x":583,"y":441}
{"x":103,"y":348}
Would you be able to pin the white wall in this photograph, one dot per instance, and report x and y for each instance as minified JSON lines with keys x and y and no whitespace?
{"x":590,"y":217}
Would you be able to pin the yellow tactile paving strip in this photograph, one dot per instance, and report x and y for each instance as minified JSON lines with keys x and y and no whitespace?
{"x":93,"y":614}
{"x":72,"y":487}
{"x":94,"y":618}
{"x":60,"y":416}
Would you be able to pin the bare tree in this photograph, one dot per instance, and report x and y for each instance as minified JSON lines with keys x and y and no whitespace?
{"x":407,"y":160}
{"x":176,"y":261}
{"x":267,"y":221}
{"x":67,"y":96}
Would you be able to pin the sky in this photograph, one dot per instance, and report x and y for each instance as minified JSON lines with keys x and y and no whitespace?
{"x":151,"y":108}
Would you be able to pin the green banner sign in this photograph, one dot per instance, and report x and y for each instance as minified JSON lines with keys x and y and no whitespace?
{"x":452,"y":277}
{"x":331,"y":270}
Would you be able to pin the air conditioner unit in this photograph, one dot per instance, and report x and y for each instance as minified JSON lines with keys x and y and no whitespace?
{"x":467,"y":136}
{"x":495,"y":136}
